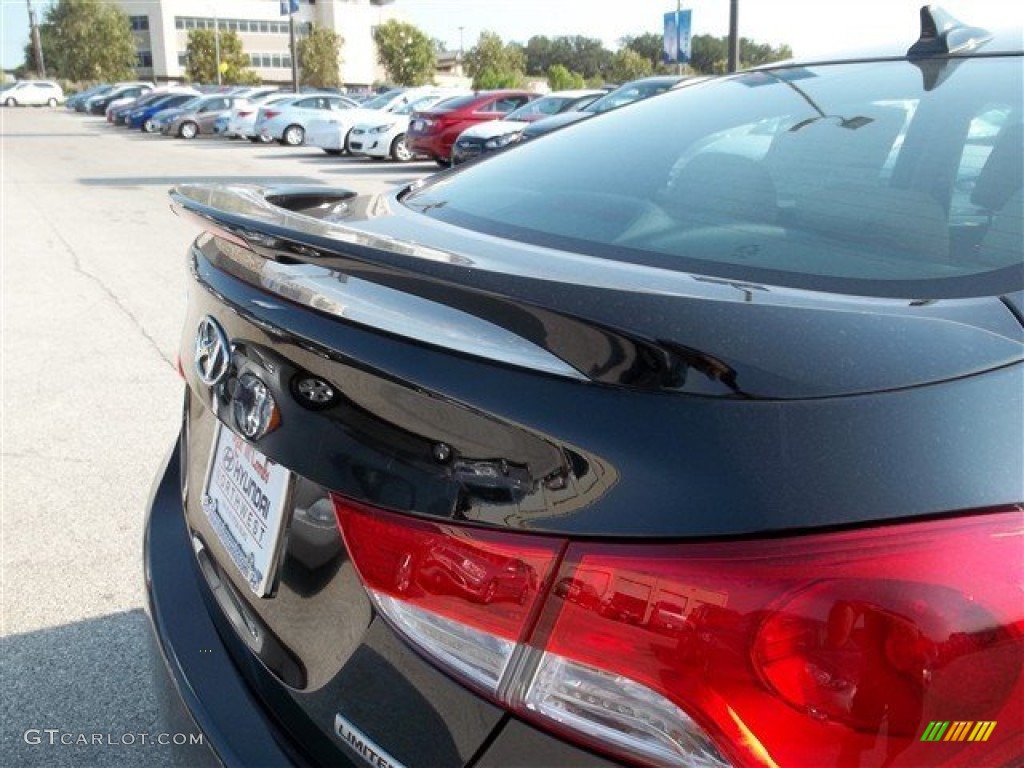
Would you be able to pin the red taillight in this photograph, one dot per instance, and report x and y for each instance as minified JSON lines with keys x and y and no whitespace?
{"x":271,"y":113}
{"x":467,"y":595}
{"x":244,"y":112}
{"x":811,"y":650}
{"x":831,"y":649}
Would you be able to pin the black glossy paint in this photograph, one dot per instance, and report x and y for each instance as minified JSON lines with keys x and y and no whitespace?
{"x":630,"y":325}
{"x":706,"y":408}
{"x":596,"y":454}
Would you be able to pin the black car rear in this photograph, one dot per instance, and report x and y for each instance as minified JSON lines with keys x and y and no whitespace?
{"x":717,"y":463}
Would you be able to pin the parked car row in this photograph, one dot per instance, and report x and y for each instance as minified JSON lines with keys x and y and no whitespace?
{"x":446,"y":125}
{"x":333,"y":134}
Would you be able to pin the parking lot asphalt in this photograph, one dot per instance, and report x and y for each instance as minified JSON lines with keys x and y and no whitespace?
{"x":93,"y":294}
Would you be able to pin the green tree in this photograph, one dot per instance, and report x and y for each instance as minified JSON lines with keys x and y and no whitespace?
{"x":651,"y":47}
{"x":540,"y":56}
{"x":201,"y":56}
{"x":586,"y":55}
{"x":710,"y":55}
{"x":494,"y":64}
{"x":319,"y":54}
{"x":627,"y":64}
{"x":755,"y":54}
{"x":87,"y":40}
{"x":561,"y":79}
{"x":408,"y":55}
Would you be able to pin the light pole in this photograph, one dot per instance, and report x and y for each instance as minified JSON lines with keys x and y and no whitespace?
{"x":295,"y":53}
{"x":734,"y":35}
{"x":216,"y":42}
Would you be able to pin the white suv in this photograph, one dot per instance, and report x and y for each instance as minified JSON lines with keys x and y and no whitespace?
{"x":33,"y":93}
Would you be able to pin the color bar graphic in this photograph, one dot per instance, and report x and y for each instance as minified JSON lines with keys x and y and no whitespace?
{"x":958,"y":730}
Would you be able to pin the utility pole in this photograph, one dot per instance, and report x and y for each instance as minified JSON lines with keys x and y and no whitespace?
{"x":734,"y":35}
{"x":37,"y":43}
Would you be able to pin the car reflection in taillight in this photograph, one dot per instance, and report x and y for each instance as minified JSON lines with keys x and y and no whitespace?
{"x":827,"y":649}
{"x":466,"y":595}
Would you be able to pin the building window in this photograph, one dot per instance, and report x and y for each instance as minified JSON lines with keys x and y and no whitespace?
{"x":264,"y":27}
{"x":139,"y":23}
{"x":179,"y":23}
{"x":182,"y":59}
{"x":275,"y":61}
{"x":286,"y":61}
{"x":144,"y":59}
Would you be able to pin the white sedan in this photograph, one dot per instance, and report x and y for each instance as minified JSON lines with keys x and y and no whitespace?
{"x":382,"y":134}
{"x":242,"y":120}
{"x":331,"y":132}
{"x":33,"y":93}
{"x":286,"y":121}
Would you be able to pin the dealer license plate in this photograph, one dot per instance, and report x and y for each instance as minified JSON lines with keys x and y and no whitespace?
{"x":244,"y":500}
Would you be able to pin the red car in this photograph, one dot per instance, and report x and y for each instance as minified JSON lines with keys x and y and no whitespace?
{"x":433,"y":131}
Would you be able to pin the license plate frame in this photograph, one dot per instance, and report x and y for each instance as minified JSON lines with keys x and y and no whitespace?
{"x":245,"y":498}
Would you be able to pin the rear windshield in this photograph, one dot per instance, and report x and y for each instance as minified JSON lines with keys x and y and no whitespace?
{"x":546,"y":105}
{"x":379,"y":102}
{"x":881,"y":178}
{"x":627,"y":94}
{"x":457,"y":102}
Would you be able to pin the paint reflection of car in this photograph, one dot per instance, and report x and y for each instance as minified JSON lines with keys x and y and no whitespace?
{"x":433,"y":131}
{"x":771,"y":388}
{"x":454,"y":568}
{"x":487,"y":137}
{"x":383,"y":136}
{"x":636,"y":90}
{"x":199,"y":119}
{"x":667,"y":618}
{"x":578,"y":591}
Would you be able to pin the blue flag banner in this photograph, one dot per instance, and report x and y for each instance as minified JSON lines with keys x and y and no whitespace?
{"x":683,"y":30}
{"x":670,"y":45}
{"x":288,"y":7}
{"x":676,"y":44}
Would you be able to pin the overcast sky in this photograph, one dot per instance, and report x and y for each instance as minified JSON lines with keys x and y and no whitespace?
{"x":810,"y":27}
